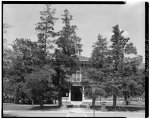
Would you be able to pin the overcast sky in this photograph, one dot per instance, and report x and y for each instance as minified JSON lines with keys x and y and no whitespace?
{"x":91,"y":20}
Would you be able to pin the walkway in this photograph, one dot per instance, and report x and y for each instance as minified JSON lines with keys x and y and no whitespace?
{"x":76,"y":112}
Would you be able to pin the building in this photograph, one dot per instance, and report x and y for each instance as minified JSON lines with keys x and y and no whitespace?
{"x":76,"y":91}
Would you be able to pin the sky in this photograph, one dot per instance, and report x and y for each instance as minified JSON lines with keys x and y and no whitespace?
{"x":91,"y":20}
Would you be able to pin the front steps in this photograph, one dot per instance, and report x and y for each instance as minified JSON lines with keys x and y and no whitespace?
{"x":76,"y":104}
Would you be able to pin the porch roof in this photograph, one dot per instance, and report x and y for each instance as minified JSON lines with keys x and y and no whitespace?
{"x":82,"y":58}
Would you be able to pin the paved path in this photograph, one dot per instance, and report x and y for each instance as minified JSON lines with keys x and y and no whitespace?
{"x":73,"y":112}
{"x":76,"y":112}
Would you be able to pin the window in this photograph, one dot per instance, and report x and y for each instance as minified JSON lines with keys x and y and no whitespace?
{"x":73,"y":77}
{"x":76,"y":77}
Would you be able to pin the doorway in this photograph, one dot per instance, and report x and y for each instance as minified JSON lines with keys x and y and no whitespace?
{"x":76,"y":94}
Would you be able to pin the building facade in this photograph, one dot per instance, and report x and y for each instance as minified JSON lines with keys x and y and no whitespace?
{"x":76,"y":91}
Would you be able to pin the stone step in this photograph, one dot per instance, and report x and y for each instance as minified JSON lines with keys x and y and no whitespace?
{"x":76,"y":103}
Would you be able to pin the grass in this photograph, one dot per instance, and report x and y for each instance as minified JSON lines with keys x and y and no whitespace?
{"x":46,"y":108}
{"x":127,"y":108}
{"x":49,"y":107}
{"x":120,"y":106}
{"x":8,"y":115}
{"x":53,"y":107}
{"x":11,"y":106}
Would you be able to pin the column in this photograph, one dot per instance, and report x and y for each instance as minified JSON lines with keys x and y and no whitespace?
{"x":80,"y":75}
{"x":69,"y":98}
{"x":82,"y":93}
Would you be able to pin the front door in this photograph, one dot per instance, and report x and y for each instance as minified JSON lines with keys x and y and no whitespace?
{"x":76,"y":94}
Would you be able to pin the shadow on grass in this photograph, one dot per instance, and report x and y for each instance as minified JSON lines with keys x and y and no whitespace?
{"x":8,"y":115}
{"x":21,"y":107}
{"x":45,"y":108}
{"x":121,"y":108}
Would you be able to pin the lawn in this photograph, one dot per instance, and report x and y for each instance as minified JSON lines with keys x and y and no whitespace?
{"x":53,"y":107}
{"x":8,"y":115}
{"x":25,"y":110}
{"x":11,"y":106}
{"x":133,"y":106}
{"x":132,"y":103}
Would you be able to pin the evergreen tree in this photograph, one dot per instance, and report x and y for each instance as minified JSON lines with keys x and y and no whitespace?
{"x":99,"y":59}
{"x":43,"y":58}
{"x":120,"y":47}
{"x":65,"y":55}
{"x":45,"y":33}
{"x":95,"y":84}
{"x":100,"y":53}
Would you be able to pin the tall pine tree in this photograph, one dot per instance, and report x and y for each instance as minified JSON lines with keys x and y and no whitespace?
{"x":100,"y":53}
{"x":45,"y":33}
{"x":65,"y":57}
{"x":120,"y":47}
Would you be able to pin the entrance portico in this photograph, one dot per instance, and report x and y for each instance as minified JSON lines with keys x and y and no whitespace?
{"x":76,"y":93}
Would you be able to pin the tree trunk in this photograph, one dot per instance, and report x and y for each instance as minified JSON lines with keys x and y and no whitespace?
{"x":17,"y":96}
{"x":41,"y":104}
{"x":114,"y":101}
{"x":125,"y":99}
{"x":100,"y":100}
{"x":16,"y":101}
{"x":60,"y":99}
{"x":93,"y":103}
{"x":32,"y":101}
{"x":93,"y":106}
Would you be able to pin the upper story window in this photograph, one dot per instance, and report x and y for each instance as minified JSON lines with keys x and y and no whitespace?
{"x":76,"y":77}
